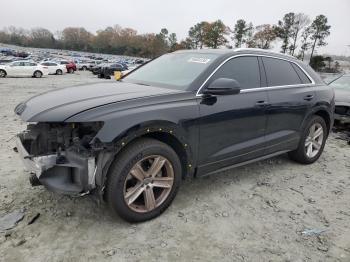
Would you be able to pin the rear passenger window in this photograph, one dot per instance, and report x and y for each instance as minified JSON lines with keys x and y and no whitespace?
{"x":244,"y":69}
{"x":280,"y":72}
{"x":304,"y":78}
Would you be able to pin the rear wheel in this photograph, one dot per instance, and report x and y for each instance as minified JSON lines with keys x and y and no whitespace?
{"x":59,"y":72}
{"x":38,"y":74}
{"x":3,"y":73}
{"x":143,"y":180}
{"x":312,"y":142}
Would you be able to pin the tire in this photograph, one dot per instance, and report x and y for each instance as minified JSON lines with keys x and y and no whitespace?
{"x":303,"y":154}
{"x":70,"y":70}
{"x":38,"y":74}
{"x":59,"y":72}
{"x":120,"y":178}
{"x":3,"y":73}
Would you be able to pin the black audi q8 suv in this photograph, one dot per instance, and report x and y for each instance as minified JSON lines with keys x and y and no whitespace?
{"x":187,"y":113}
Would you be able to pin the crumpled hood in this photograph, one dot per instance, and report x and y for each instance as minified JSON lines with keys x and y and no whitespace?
{"x":58,"y":105}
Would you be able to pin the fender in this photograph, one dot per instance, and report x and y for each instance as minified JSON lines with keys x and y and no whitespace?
{"x":157,"y":129}
{"x":324,"y":109}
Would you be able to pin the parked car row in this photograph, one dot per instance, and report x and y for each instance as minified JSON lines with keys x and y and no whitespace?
{"x":108,"y":70}
{"x":63,"y":61}
{"x":31,"y":68}
{"x":23,"y":68}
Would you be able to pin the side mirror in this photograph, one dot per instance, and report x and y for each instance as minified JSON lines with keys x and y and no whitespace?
{"x":223,"y":86}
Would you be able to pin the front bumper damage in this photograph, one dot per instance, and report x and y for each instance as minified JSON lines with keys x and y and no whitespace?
{"x":70,"y":168}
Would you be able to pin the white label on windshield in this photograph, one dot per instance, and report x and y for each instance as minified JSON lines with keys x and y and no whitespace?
{"x":198,"y":60}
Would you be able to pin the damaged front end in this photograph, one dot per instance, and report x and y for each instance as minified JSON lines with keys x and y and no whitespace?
{"x":62,"y":156}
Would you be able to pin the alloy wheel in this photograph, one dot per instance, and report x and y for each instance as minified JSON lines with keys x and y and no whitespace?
{"x":314,"y":140}
{"x":148,"y":183}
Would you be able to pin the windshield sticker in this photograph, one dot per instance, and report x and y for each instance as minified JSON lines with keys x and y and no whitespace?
{"x":198,"y":60}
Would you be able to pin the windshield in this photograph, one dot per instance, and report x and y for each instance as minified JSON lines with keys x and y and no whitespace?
{"x":176,"y":70}
{"x":342,"y":83}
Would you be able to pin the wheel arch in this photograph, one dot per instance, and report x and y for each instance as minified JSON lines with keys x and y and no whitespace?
{"x":163,"y":131}
{"x":327,"y":118}
{"x":4,"y":71}
{"x":322,"y":112}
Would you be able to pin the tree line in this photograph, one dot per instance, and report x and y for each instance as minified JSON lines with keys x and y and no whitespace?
{"x":296,"y":33}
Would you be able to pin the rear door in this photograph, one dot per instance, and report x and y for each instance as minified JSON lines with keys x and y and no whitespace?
{"x":291,"y":96}
{"x":29,"y":68}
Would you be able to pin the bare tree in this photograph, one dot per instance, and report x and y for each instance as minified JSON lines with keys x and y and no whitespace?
{"x":300,"y":21}
{"x":263,"y":37}
{"x":305,"y":42}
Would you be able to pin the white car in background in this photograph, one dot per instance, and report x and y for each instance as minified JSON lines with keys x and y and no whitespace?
{"x":82,"y":65}
{"x":54,"y":68}
{"x":23,"y":68}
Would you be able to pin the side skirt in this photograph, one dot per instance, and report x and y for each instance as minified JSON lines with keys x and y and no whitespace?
{"x":245,"y":163}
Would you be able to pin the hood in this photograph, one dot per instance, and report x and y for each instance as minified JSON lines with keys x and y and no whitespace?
{"x":342,"y":96}
{"x":58,"y":105}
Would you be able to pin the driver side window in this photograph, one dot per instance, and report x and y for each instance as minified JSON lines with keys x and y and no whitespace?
{"x":244,"y":69}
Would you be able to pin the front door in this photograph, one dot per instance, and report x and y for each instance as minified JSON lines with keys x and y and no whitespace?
{"x":15,"y":69}
{"x":232,"y":127}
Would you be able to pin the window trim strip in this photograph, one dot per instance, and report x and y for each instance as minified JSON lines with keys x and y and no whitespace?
{"x":259,"y":88}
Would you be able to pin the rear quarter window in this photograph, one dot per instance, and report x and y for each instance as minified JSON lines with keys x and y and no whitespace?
{"x":304,"y":78}
{"x":280,"y":72}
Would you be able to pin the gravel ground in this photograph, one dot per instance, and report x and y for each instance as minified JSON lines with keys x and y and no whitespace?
{"x":252,"y":213}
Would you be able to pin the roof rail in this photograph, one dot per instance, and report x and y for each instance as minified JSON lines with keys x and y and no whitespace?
{"x":261,"y":50}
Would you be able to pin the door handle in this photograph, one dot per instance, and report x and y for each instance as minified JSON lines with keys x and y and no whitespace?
{"x":308,"y":97}
{"x":261,"y":103}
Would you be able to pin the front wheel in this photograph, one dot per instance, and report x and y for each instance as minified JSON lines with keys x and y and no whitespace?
{"x":38,"y":74}
{"x":59,"y":72}
{"x":312,"y":141}
{"x":143,"y":180}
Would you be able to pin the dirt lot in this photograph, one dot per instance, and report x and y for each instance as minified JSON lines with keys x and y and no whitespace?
{"x":254,"y":213}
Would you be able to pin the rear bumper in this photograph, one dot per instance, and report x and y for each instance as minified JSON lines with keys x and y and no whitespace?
{"x":73,"y":176}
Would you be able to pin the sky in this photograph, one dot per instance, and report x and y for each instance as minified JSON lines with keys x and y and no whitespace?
{"x":149,"y":16}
